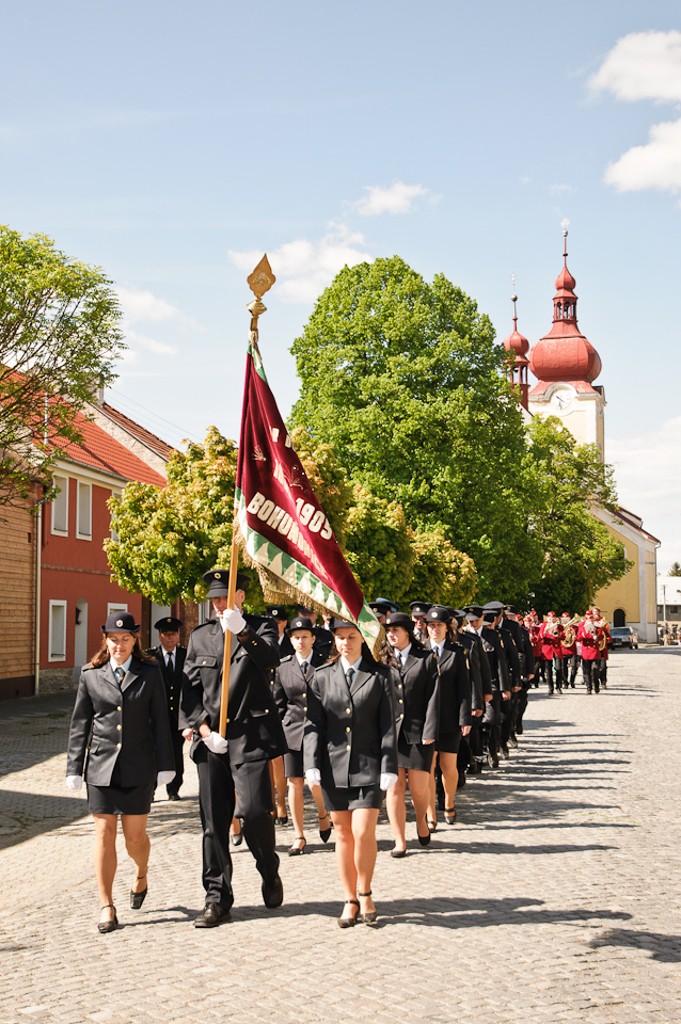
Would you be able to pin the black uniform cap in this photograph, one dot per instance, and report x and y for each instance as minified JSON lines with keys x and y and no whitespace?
{"x":383,"y":606}
{"x":399,"y":619}
{"x":494,"y":606}
{"x":169,"y":624}
{"x":438,"y":613}
{"x":342,"y":624}
{"x":301,"y":622}
{"x":419,"y":607}
{"x":277,"y":611}
{"x":474,"y":611}
{"x":122,"y":622}
{"x":218,"y":582}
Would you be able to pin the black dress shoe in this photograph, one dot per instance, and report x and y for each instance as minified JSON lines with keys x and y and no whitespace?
{"x":237,"y":838}
{"x":211,"y":916}
{"x":325,"y":833}
{"x":104,"y":927}
{"x":174,"y":796}
{"x":138,"y":898}
{"x":281,"y":821}
{"x":273,"y":893}
{"x":424,"y":840}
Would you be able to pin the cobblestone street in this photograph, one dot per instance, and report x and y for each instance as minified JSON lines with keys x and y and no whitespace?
{"x":554,"y":898}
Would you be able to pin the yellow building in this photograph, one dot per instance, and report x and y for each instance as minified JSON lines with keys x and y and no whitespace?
{"x":566,"y":364}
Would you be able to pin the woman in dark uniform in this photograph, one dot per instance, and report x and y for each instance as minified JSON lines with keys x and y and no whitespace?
{"x":416,"y":699}
{"x":120,"y":740}
{"x":349,"y":748}
{"x":455,"y":705}
{"x":291,"y":679}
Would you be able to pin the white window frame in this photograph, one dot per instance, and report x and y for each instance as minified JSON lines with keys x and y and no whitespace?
{"x":88,"y":489}
{"x":63,"y":483}
{"x":52,"y":655}
{"x":114,"y":608}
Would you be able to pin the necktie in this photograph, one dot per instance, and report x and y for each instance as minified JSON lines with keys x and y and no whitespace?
{"x":170,"y":663}
{"x":120,"y":674}
{"x":304,"y":666}
{"x":350,"y":675}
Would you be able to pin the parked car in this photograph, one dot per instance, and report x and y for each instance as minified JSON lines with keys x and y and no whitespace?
{"x":624,"y":636}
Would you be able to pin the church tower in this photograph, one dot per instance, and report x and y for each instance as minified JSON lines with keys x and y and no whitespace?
{"x":518,"y":344}
{"x":565,"y":364}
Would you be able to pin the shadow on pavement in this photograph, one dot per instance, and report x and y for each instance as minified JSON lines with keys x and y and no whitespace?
{"x":665,"y":948}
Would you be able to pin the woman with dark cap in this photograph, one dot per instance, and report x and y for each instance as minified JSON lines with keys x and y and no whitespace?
{"x":455,"y":704}
{"x":416,"y":698}
{"x":291,"y":681}
{"x":349,"y":749}
{"x":120,"y":741}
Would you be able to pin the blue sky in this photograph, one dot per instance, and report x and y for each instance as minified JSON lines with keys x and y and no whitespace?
{"x":173,"y":144}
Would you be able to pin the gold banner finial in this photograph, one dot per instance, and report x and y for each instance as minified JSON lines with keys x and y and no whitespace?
{"x":260,"y":281}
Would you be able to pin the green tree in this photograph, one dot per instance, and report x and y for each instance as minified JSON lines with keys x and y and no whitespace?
{"x":440,"y":572}
{"x":567,"y":481}
{"x":165,"y":539}
{"x":404,"y":380}
{"x":59,"y":338}
{"x":674,"y":569}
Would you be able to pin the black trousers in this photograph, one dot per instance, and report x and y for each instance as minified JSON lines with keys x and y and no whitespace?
{"x":216,"y":803}
{"x":490,"y":725}
{"x":254,"y":806}
{"x":222,"y":788}
{"x":173,"y":787}
{"x":591,"y":674}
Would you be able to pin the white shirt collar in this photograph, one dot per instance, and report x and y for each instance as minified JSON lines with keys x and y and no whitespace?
{"x":125,"y":665}
{"x":346,"y":664}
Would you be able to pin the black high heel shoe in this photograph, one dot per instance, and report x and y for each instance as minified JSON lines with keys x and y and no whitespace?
{"x":324,"y":833}
{"x":138,"y":898}
{"x":349,"y":922}
{"x":104,"y":927}
{"x":294,"y":850}
{"x":369,"y":917}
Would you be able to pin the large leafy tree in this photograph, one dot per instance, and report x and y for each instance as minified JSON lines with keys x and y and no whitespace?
{"x":59,"y":338}
{"x":567,"y":480}
{"x":404,"y":380}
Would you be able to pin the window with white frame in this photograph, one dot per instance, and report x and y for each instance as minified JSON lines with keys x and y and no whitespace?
{"x":57,"y":631}
{"x":84,"y":513}
{"x":60,"y":507}
{"x":113,"y":609}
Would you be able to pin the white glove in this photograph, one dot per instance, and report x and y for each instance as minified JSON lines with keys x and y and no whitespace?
{"x":74,"y":781}
{"x":387,"y":780}
{"x":233,"y":620}
{"x":217,"y":743}
{"x":163,"y":778}
{"x":313,"y":777}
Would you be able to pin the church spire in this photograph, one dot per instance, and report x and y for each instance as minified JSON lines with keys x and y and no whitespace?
{"x":519,"y":345}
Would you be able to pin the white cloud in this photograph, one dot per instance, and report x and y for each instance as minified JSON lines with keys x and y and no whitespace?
{"x":655,"y":165}
{"x":150,"y":344}
{"x":648,"y":483}
{"x":645,"y":66}
{"x":396,"y":198}
{"x":642,"y":66}
{"x":139,"y":304}
{"x":303,"y":267}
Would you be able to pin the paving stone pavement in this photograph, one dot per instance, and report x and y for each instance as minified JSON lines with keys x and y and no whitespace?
{"x":555,"y":898}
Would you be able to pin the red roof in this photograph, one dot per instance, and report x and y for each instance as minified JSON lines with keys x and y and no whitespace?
{"x":156,"y":444}
{"x":99,"y":450}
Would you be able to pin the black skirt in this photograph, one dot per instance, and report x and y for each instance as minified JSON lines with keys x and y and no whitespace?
{"x":353,"y":798}
{"x":416,"y":756}
{"x":119,"y":799}
{"x":449,"y":742}
{"x":293,"y":764}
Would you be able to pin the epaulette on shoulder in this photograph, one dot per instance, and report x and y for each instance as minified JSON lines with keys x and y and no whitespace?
{"x":287,"y":657}
{"x":209,"y":622}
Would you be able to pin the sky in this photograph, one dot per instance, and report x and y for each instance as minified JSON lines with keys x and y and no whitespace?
{"x":172,"y":144}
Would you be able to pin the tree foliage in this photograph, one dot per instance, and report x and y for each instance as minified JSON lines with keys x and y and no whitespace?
{"x":165,"y":539}
{"x":674,"y":569}
{"x":404,"y":380}
{"x":59,"y":338}
{"x":567,"y":480}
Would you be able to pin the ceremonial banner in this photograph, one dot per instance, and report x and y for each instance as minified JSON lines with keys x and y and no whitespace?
{"x":282,"y":527}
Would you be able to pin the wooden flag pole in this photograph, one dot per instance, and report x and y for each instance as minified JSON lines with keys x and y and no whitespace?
{"x":259,"y":281}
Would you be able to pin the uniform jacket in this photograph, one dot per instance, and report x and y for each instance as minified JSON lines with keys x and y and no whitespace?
{"x":172,"y":681}
{"x":592,"y":643}
{"x":416,"y":696}
{"x":349,"y":732}
{"x":290,"y":696}
{"x":494,"y":647}
{"x":455,"y":687}
{"x":552,"y":640}
{"x":254,"y":728}
{"x":481,"y":675}
{"x":126,"y":724}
